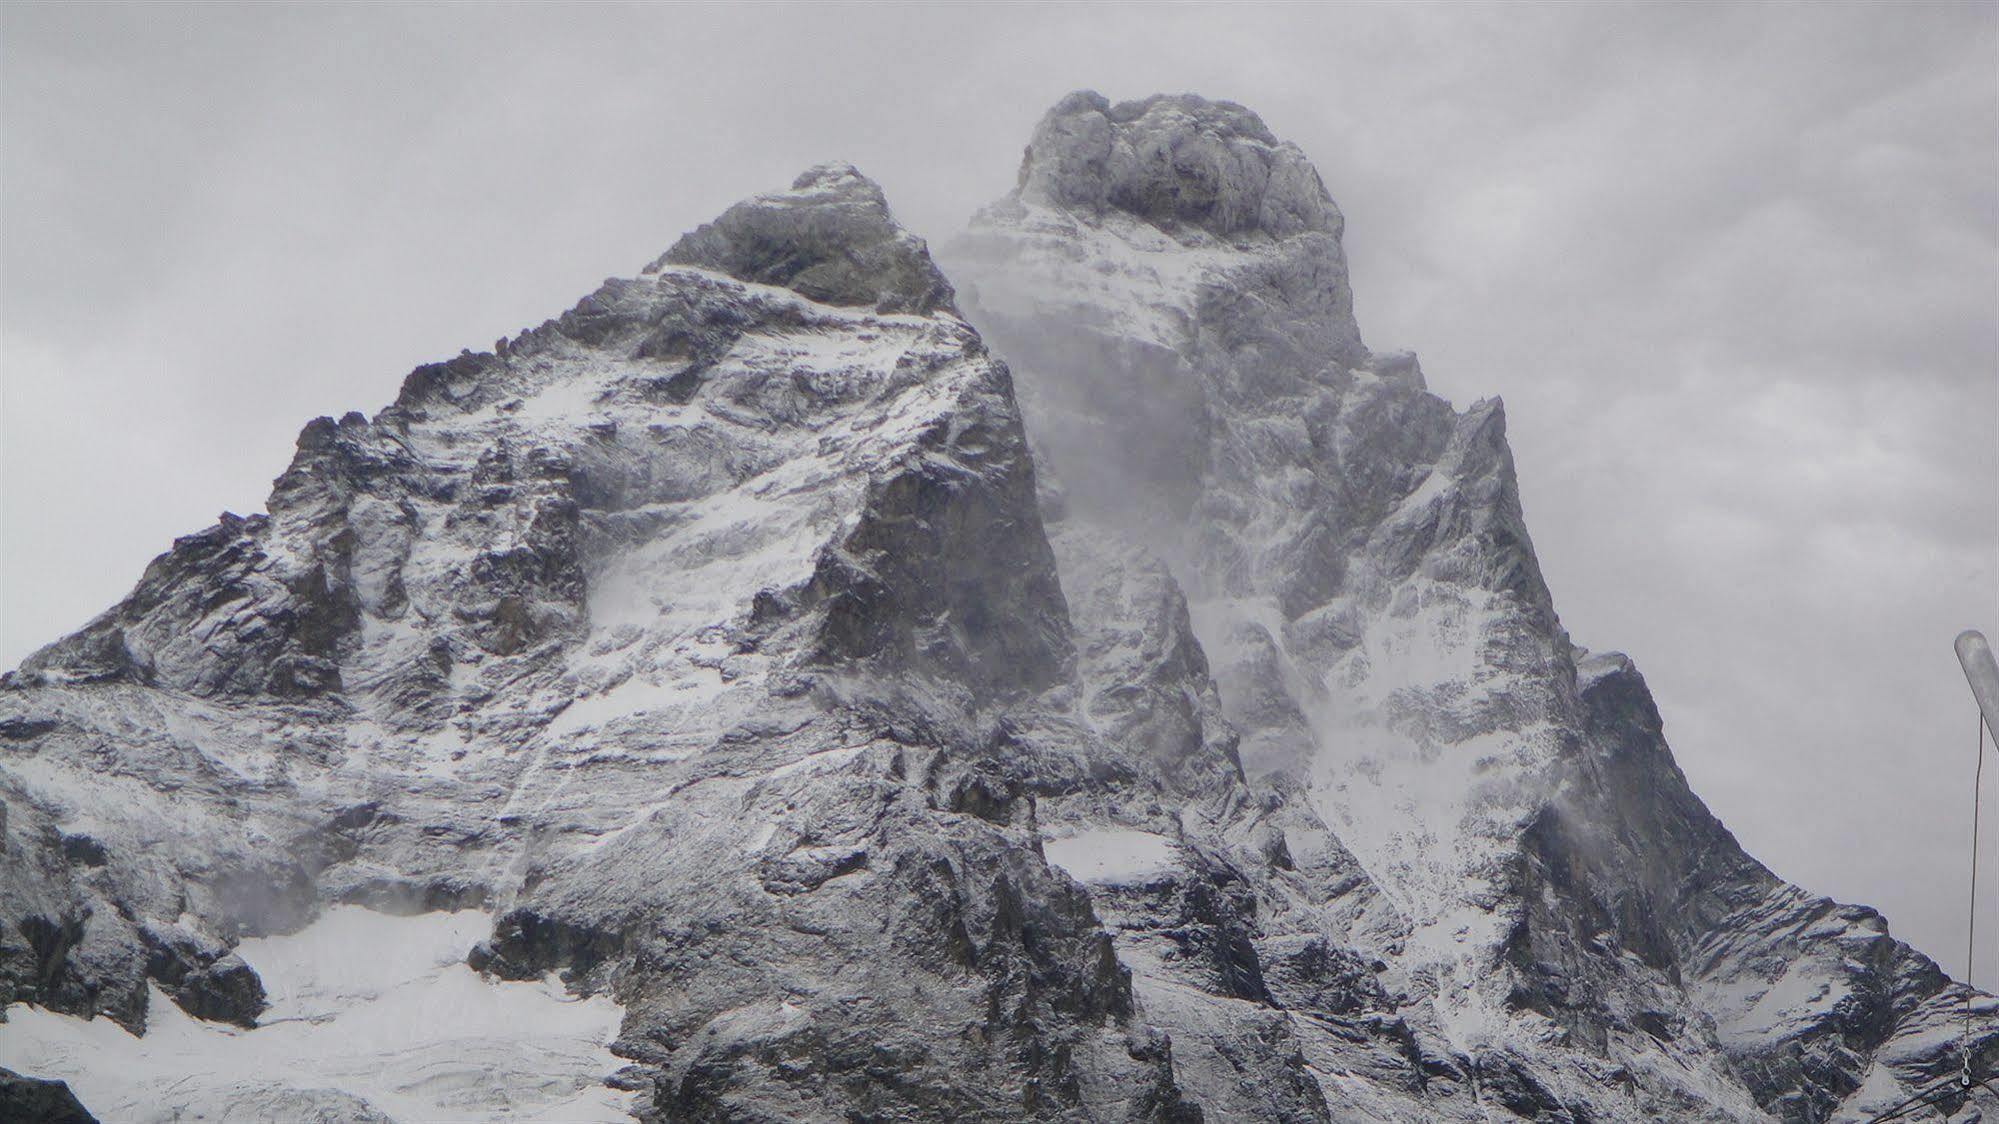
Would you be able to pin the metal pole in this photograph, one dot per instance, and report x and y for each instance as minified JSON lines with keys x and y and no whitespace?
{"x":1976,"y":655}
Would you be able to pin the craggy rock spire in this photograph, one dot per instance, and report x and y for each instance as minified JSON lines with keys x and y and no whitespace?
{"x":1175,"y":161}
{"x":675,"y":633}
{"x":1560,"y":929}
{"x":723,"y":644}
{"x":830,"y":238}
{"x":1150,"y":244}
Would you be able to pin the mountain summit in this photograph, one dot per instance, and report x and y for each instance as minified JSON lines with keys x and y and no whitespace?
{"x":733,"y":674}
{"x":1522,"y":867}
{"x":830,"y":238}
{"x":1175,"y":162}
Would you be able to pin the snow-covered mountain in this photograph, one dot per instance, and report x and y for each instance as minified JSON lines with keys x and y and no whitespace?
{"x":717,"y":663}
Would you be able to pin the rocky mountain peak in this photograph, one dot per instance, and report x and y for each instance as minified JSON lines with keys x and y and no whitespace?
{"x":1193,"y":737}
{"x":830,"y":238}
{"x":1176,"y":161}
{"x":1167,"y":284}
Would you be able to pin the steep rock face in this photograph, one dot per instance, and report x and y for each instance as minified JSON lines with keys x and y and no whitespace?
{"x":674,"y":632}
{"x":1561,"y":926}
{"x":1821,"y":1010}
{"x":1222,"y":759}
{"x":1120,"y":213}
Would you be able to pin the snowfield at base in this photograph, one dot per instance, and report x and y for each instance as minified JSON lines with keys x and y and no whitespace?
{"x":382,"y":1008}
{"x":1112,"y":856}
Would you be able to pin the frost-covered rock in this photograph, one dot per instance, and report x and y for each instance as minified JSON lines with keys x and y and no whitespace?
{"x":830,"y":238}
{"x":676,"y":633}
{"x":705,"y":705}
{"x":1176,"y":161}
{"x":1551,"y":922}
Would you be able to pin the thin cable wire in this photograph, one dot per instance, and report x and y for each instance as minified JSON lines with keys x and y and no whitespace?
{"x":1919,"y":1099}
{"x":1931,"y":1094}
{"x":1971,"y":920}
{"x":1933,"y":1100}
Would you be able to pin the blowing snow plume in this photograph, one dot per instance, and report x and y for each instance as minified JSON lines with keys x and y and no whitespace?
{"x":1223,"y":759}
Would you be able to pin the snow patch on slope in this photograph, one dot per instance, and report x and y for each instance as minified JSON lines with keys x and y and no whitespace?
{"x":381,"y":1008}
{"x":1113,"y":856}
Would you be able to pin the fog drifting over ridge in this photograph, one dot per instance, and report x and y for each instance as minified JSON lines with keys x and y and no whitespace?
{"x":1734,"y":272}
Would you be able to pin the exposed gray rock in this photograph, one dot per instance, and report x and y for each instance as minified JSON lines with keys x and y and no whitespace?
{"x":30,"y":1099}
{"x":1554,"y":925}
{"x":680,"y":634}
{"x":1175,"y":160}
{"x":206,"y":979}
{"x":830,"y":238}
{"x":722,"y":639}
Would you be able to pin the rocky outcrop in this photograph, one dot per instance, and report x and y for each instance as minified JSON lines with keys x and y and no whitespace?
{"x":829,"y":238}
{"x":675,"y":630}
{"x":45,"y":1102}
{"x":1554,"y":924}
{"x":1175,"y":161}
{"x":1221,"y":758}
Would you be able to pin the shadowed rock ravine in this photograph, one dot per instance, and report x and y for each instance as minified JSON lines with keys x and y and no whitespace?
{"x":1193,"y":739}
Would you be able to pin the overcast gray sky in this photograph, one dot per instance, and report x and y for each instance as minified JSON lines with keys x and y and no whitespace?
{"x":1734,"y":269}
